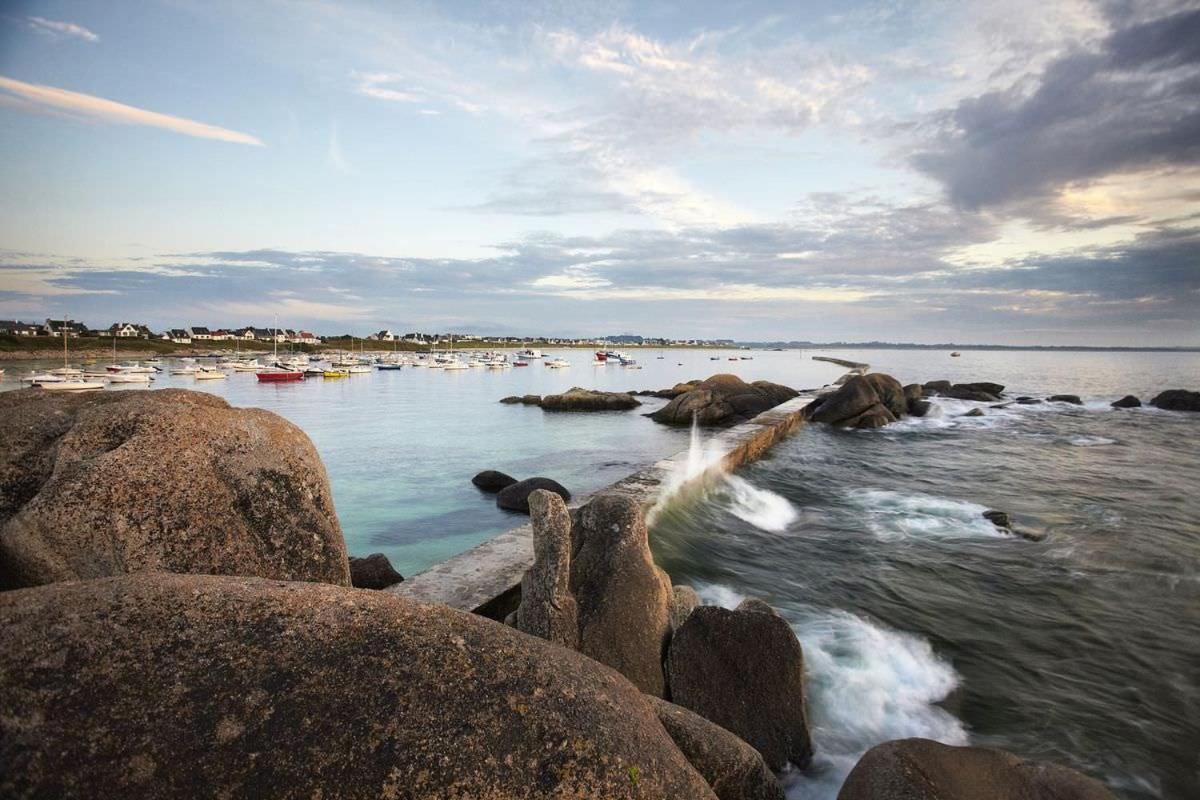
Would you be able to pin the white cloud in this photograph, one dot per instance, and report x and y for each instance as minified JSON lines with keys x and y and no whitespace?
{"x":286,"y":307}
{"x":57,"y":29}
{"x":35,"y":97}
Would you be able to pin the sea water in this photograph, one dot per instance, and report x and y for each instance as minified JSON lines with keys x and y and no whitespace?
{"x":918,"y":617}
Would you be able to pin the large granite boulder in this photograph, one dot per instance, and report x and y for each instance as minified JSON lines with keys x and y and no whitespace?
{"x":491,"y":480}
{"x":733,"y":769}
{"x":160,"y":685}
{"x":921,"y":769}
{"x":373,"y":572}
{"x":723,"y":400}
{"x":1128,"y":401}
{"x":744,"y":670}
{"x":864,"y":401}
{"x":1072,"y":399}
{"x":604,"y":596}
{"x":577,"y":399}
{"x":1177,"y":400}
{"x":515,"y":497}
{"x":116,"y":482}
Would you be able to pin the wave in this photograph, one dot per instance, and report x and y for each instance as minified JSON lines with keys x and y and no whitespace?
{"x":1090,"y":441}
{"x":899,"y":515}
{"x":868,"y":684}
{"x":762,"y":508}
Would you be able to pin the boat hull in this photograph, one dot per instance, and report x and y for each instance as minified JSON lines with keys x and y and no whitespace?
{"x":279,"y":377}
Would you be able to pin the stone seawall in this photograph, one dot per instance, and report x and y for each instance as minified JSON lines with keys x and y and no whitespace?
{"x":486,"y":579}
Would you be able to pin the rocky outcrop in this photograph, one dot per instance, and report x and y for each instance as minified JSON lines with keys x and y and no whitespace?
{"x":178,"y":481}
{"x":733,"y":769}
{"x":516,"y":496}
{"x":1073,"y":399}
{"x":577,"y":399}
{"x":979,"y":391}
{"x":921,"y":769}
{"x":621,"y":600}
{"x":1028,"y":401}
{"x":217,"y":686}
{"x":723,"y":400}
{"x":492,"y":481}
{"x":1128,"y":401}
{"x":373,"y":572}
{"x":864,"y":401}
{"x":683,"y":600}
{"x":1177,"y":400}
{"x":524,"y":399}
{"x":744,"y":670}
{"x":547,"y":607}
{"x":667,"y":394}
{"x":1002,"y":520}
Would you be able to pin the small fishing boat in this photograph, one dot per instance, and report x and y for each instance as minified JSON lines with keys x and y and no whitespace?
{"x":74,"y":385}
{"x":714,"y":358}
{"x":185,"y":370}
{"x":529,"y":353}
{"x":45,"y":377}
{"x":955,"y":355}
{"x":558,"y":363}
{"x":209,"y":374}
{"x":520,"y":363}
{"x":277,"y":373}
{"x":128,"y":377}
{"x":389,"y":366}
{"x":336,"y":373}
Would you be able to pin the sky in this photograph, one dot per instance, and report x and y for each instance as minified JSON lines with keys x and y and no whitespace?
{"x":1009,"y":172}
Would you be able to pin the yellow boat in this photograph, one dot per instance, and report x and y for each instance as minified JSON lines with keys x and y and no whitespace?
{"x":336,"y":373}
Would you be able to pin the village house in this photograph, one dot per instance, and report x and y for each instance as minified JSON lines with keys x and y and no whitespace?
{"x":305,"y":337}
{"x":12,"y":327}
{"x":73,"y":329}
{"x":179,"y":336}
{"x":200,"y":332}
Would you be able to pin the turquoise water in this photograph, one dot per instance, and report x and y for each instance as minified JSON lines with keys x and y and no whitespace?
{"x":401,"y":446}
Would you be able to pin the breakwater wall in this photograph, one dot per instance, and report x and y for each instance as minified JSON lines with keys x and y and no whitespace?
{"x":486,"y":579}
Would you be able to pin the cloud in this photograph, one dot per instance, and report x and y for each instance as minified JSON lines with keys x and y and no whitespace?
{"x":295,"y":308}
{"x":396,"y":89}
{"x":57,"y":30}
{"x":35,"y":97}
{"x":1131,"y":104}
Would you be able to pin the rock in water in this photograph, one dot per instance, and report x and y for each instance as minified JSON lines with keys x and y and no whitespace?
{"x":577,"y":399}
{"x":919,"y":408}
{"x":1065,"y":398}
{"x":515,"y":497}
{"x":547,"y":606}
{"x":733,"y":769}
{"x":373,"y":572}
{"x":216,"y":686}
{"x":171,"y":480}
{"x":974,"y":412}
{"x":921,"y":769}
{"x":723,"y":400}
{"x":998,"y":518}
{"x":1177,"y":400}
{"x":1128,"y":401}
{"x":864,"y":401}
{"x":492,"y":481}
{"x":744,"y":670}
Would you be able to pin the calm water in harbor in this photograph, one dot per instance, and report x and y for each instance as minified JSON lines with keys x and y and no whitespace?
{"x":918,"y":617}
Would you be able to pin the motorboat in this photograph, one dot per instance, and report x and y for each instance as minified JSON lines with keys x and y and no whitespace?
{"x":955,"y":355}
{"x":454,"y":364}
{"x":336,"y":373}
{"x":558,"y":363}
{"x":387,"y":366}
{"x":359,"y":369}
{"x":209,"y":374}
{"x":520,"y":363}
{"x":529,"y":353}
{"x":185,"y":370}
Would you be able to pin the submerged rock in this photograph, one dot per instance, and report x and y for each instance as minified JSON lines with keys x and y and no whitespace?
{"x":1028,"y":401}
{"x":216,"y":686}
{"x":921,"y":769}
{"x":733,"y":769}
{"x":515,"y":497}
{"x":577,"y":399}
{"x":974,"y":412}
{"x":723,"y":400}
{"x":864,"y":401}
{"x":744,"y":670}
{"x":1177,"y":400}
{"x":1002,"y":520}
{"x":525,"y":400}
{"x":1065,"y":398}
{"x":594,"y":586}
{"x":1128,"y":401}
{"x":116,"y":482}
{"x":492,"y":481}
{"x":919,"y":408}
{"x":373,"y":572}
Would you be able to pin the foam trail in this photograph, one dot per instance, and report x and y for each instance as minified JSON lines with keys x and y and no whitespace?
{"x":900,"y":515}
{"x":702,"y":457}
{"x":762,"y":508}
{"x":867,"y":684}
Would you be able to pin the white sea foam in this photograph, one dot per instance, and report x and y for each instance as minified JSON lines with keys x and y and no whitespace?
{"x":899,"y":515}
{"x":762,"y":508}
{"x":716,"y":594}
{"x":702,"y":457}
{"x":867,"y":684}
{"x":1090,"y":441}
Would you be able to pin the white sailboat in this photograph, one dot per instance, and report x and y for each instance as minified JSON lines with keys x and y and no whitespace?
{"x":68,"y":381}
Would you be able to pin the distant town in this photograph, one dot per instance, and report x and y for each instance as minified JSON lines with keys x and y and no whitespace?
{"x":252,"y":333}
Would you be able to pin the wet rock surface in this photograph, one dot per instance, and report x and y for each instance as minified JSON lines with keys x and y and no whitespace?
{"x":1073,"y":399}
{"x":1177,"y":400}
{"x":920,"y":769}
{"x":491,"y":480}
{"x":116,"y":482}
{"x":373,"y":572}
{"x":744,"y":670}
{"x":515,"y":497}
{"x":1128,"y":401}
{"x":864,"y":401}
{"x":217,"y":686}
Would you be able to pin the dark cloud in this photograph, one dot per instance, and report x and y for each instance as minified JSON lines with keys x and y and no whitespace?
{"x":1133,"y":104}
